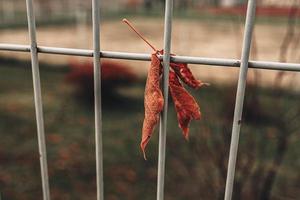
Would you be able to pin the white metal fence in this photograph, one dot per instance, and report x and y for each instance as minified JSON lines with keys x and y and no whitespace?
{"x":243,"y":63}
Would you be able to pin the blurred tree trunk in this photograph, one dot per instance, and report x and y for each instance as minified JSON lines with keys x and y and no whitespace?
{"x":153,"y":4}
{"x":148,"y":4}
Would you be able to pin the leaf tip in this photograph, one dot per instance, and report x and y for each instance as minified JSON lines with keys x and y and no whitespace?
{"x":143,"y":147}
{"x":144,"y":154}
{"x":187,"y":138}
{"x":201,"y":84}
{"x":143,"y":151}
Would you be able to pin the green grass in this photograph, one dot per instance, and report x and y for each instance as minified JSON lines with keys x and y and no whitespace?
{"x":191,"y":168}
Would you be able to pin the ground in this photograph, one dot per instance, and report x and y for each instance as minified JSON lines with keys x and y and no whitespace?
{"x":191,"y":167}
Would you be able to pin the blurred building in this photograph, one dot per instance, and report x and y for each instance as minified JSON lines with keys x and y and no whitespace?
{"x":280,"y":3}
{"x":229,"y":2}
{"x":15,"y":10}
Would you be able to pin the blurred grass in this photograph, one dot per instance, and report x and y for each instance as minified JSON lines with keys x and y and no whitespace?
{"x":69,"y":127}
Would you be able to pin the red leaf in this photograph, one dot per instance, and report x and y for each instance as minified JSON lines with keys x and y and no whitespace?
{"x":185,"y":74}
{"x":153,"y":101}
{"x":185,"y":105}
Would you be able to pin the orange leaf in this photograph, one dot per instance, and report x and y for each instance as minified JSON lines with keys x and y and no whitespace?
{"x":185,"y":74}
{"x":185,"y":105}
{"x":153,"y":101}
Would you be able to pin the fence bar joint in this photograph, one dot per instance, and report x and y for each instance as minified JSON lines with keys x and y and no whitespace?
{"x":250,"y":18}
{"x":38,"y":99}
{"x":97,"y":98}
{"x":163,"y":117}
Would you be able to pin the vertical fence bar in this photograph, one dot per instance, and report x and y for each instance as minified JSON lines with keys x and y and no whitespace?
{"x":163,"y":118}
{"x":38,"y":99}
{"x":240,"y":98}
{"x":97,"y":93}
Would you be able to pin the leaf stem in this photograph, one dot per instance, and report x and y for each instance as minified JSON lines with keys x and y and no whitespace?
{"x":139,"y":34}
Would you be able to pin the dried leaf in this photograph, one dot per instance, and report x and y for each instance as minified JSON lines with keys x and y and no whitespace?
{"x":185,"y":74}
{"x":185,"y":105}
{"x":153,"y":101}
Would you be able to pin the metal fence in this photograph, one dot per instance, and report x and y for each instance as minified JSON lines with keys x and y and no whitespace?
{"x":243,"y":63}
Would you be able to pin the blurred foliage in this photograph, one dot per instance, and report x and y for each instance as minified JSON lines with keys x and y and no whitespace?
{"x":114,"y":76}
{"x":193,"y":169}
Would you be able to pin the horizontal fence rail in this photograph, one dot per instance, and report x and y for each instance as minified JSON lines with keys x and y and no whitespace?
{"x":223,"y":62}
{"x":244,"y":63}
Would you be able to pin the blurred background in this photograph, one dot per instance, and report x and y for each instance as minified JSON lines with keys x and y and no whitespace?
{"x":268,"y":160}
